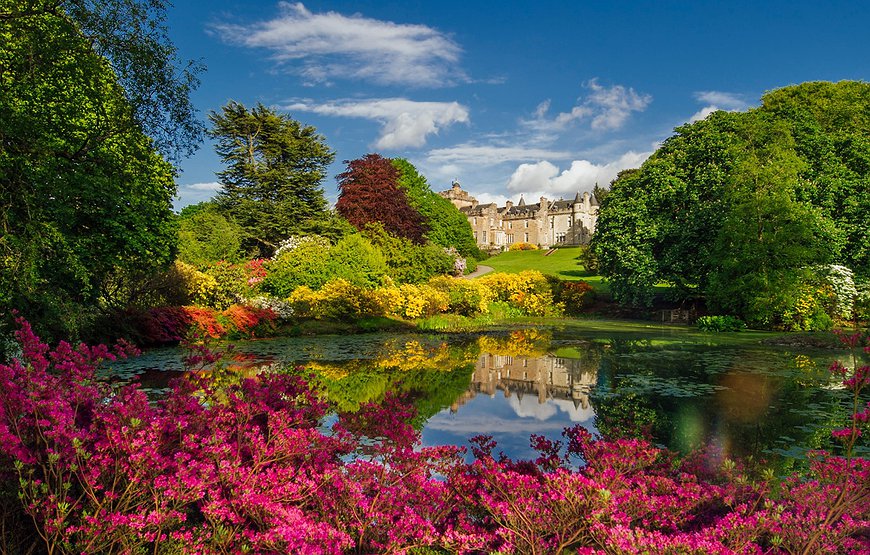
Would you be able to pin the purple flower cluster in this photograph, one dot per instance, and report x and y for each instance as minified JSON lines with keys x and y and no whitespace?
{"x":253,"y":467}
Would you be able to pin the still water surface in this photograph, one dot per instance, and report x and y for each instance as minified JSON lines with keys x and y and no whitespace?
{"x":740,"y":396}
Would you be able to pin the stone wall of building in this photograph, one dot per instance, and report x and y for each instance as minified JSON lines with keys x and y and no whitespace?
{"x":547,"y":223}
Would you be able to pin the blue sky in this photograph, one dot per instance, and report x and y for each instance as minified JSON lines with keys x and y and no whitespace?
{"x":534,"y":98}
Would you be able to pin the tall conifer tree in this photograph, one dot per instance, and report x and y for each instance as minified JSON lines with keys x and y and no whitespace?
{"x":275,"y":165}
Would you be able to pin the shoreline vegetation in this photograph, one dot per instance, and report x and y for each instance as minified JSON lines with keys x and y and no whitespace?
{"x":230,"y":464}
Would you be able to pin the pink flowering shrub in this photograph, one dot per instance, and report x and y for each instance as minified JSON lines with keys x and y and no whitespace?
{"x":260,"y":466}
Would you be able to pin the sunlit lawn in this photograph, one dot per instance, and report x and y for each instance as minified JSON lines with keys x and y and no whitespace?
{"x":562,"y":263}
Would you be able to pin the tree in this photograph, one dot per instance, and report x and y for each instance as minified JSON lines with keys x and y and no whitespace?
{"x":275,"y":165}
{"x":447,"y":226}
{"x":369,"y":193}
{"x":85,"y":195}
{"x":739,"y":207}
{"x":205,"y":235}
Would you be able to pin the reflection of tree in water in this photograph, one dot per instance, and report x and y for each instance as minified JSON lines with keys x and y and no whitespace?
{"x":742,"y":401}
{"x":431,"y":374}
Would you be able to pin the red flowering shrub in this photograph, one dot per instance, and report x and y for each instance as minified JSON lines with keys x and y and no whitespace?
{"x":162,"y":325}
{"x":251,"y":467}
{"x":573,"y":295}
{"x":250,"y":321}
{"x":205,"y":323}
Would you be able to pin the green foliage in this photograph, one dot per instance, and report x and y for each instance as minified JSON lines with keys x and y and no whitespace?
{"x":720,"y":323}
{"x":205,"y":235}
{"x":740,"y":206}
{"x":447,"y":226}
{"x":312,"y":262}
{"x":408,"y":262}
{"x":85,"y":197}
{"x":305,"y":263}
{"x":355,"y":259}
{"x":275,"y":165}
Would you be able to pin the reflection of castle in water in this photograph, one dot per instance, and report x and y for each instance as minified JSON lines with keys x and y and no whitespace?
{"x":547,"y":377}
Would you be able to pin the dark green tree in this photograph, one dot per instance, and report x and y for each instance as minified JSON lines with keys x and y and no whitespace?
{"x":275,"y":166}
{"x":85,"y":195}
{"x":740,"y":206}
{"x":447,"y":226}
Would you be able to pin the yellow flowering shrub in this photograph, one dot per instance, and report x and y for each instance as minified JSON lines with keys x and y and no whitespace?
{"x":421,"y":300}
{"x":304,"y":302}
{"x":466,"y":297}
{"x":810,"y":309}
{"x":337,"y":299}
{"x":522,"y":246}
{"x":528,"y":290}
{"x":199,"y":287}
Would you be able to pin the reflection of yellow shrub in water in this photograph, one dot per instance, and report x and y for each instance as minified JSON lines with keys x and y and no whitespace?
{"x":414,"y":355}
{"x":521,"y":343}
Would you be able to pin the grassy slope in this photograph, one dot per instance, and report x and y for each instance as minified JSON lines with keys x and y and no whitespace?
{"x":562,"y":263}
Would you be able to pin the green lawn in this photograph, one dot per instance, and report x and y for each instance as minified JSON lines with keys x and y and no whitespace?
{"x":562,"y":263}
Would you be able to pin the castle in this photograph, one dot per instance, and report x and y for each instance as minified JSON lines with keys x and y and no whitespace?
{"x":547,"y":223}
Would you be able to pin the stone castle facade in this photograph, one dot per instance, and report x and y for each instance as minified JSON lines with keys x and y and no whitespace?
{"x":548,"y":223}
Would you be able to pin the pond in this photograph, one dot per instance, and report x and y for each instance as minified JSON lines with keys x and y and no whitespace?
{"x":680,"y":388}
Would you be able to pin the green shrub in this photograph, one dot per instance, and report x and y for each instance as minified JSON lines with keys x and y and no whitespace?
{"x":298,"y":261}
{"x":720,"y":323}
{"x":406,"y":261}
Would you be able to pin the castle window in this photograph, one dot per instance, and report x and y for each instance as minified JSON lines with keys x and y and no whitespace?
{"x":484,"y":237}
{"x":526,"y":239}
{"x":510,"y":225}
{"x":526,"y":222}
{"x":473,"y":221}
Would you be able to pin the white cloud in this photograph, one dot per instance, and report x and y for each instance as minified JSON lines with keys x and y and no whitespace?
{"x":194,"y":193}
{"x":329,"y":45}
{"x":487,"y":198}
{"x":406,"y":123}
{"x":544,"y":178}
{"x":715,"y":101}
{"x":491,"y":155}
{"x":212,"y":186}
{"x":605,"y":108}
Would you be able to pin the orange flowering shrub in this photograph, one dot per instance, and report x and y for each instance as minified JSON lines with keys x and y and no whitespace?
{"x":250,"y":321}
{"x":204,"y":322}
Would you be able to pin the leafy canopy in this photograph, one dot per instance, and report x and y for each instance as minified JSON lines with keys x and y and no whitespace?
{"x":90,"y":94}
{"x":738,"y":206}
{"x":369,"y":193}
{"x":275,"y":166}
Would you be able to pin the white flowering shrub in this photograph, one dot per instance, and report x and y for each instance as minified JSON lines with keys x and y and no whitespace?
{"x":842,"y":282}
{"x":293,"y":242}
{"x":282,"y":309}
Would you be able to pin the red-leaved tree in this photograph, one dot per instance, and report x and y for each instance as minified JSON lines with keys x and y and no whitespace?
{"x":369,"y":193}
